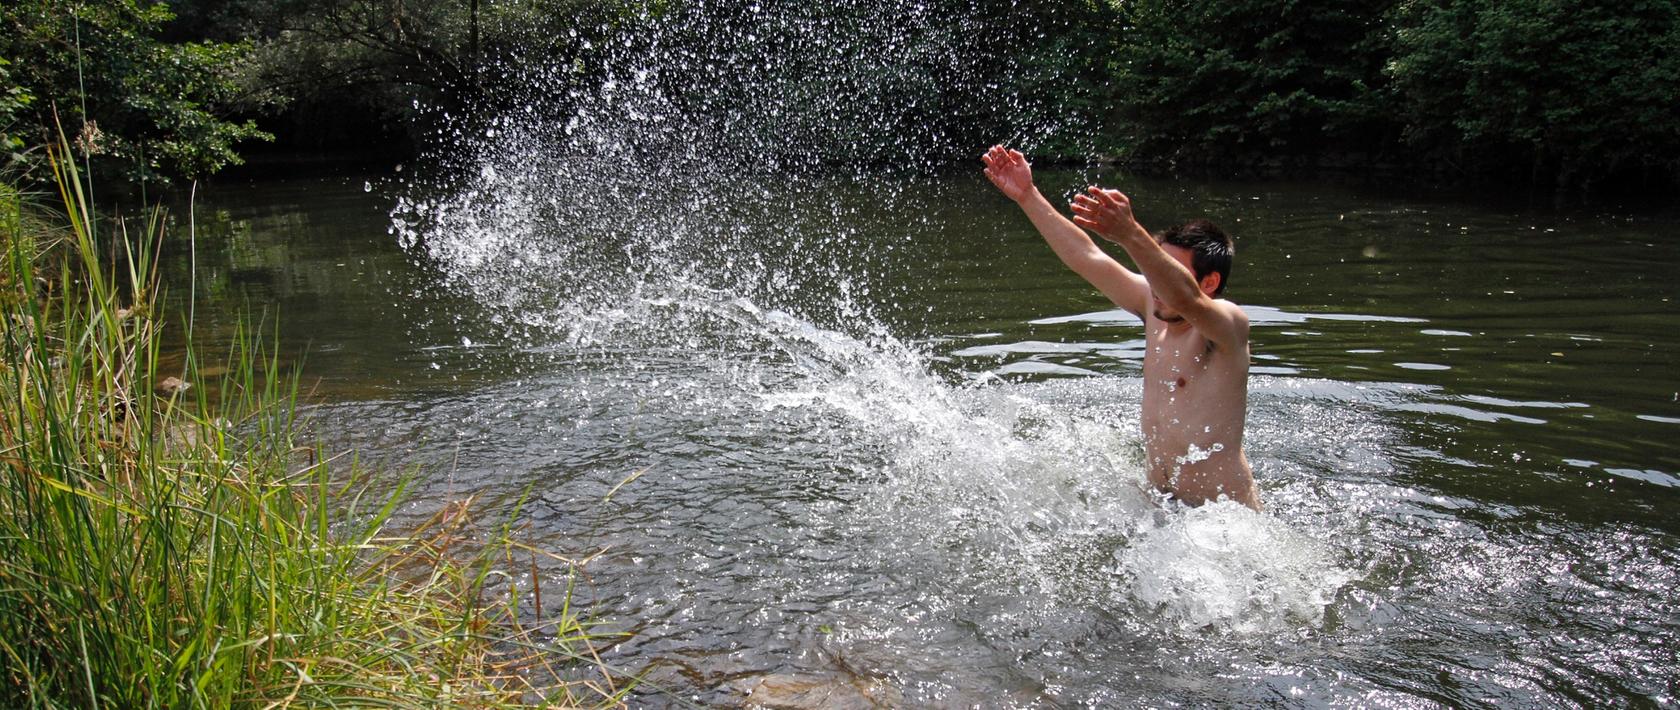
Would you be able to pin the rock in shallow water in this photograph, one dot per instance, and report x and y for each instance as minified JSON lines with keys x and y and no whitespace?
{"x":799,"y":691}
{"x":172,"y":385}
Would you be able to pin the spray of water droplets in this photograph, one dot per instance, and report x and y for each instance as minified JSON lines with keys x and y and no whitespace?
{"x":692,"y":210}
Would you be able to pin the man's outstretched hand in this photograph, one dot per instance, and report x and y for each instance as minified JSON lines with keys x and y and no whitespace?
{"x":1108,"y":213}
{"x":1009,"y":171}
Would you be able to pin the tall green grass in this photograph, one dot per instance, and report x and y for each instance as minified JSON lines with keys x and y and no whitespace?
{"x":161,"y":548}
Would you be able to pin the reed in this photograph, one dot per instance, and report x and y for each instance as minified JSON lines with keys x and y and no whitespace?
{"x":170,"y":548}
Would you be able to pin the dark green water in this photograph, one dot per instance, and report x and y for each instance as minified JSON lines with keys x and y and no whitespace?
{"x":914,"y":460}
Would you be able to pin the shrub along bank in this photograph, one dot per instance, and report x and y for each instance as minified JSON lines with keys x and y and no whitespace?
{"x":163,"y":546}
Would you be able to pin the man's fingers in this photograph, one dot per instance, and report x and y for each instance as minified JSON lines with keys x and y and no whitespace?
{"x":1107,"y":198}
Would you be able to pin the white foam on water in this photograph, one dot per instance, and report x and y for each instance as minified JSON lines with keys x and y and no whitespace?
{"x":1225,"y":567}
{"x":1017,"y":493}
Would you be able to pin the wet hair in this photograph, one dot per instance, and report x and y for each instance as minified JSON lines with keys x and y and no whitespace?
{"x":1210,"y":249}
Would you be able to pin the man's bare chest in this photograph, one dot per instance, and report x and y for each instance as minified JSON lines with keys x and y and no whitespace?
{"x":1175,"y":363}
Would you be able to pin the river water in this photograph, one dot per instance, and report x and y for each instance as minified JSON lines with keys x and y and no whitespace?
{"x":888,"y":447}
{"x":712,"y":310}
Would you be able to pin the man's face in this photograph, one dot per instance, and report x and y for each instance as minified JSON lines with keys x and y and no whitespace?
{"x":1183,"y":255}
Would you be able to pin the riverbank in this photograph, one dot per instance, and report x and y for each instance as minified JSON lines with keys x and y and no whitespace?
{"x":173,"y":538}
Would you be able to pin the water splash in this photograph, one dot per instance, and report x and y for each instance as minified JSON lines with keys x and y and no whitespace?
{"x":663,"y":165}
{"x":1197,"y":454}
{"x":694,"y":242}
{"x":1226,"y":567}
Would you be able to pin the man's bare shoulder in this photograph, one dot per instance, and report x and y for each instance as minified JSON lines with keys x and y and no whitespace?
{"x":1238,"y":316}
{"x":1232,"y":319}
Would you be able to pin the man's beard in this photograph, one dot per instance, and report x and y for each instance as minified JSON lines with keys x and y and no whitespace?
{"x":1163,"y":318}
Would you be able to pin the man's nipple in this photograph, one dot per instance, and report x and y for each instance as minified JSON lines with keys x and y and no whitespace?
{"x":1181,"y":382}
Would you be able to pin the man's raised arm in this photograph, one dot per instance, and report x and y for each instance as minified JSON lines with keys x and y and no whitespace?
{"x":1109,"y":214}
{"x":1012,"y":175}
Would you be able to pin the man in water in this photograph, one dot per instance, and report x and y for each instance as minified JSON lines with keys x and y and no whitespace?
{"x":1195,"y":362}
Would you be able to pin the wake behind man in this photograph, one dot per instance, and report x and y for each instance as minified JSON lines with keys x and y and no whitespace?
{"x":1195,"y":361}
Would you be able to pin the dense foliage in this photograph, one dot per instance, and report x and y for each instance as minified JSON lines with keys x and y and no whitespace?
{"x":102,"y":69}
{"x":1556,"y":92}
{"x":1550,"y":90}
{"x":1245,"y":81}
{"x":350,"y":68}
{"x":1578,"y":90}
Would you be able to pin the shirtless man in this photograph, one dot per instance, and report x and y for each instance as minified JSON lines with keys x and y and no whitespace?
{"x":1195,"y":362}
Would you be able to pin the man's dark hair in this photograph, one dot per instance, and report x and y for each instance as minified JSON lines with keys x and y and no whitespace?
{"x":1210,"y":248}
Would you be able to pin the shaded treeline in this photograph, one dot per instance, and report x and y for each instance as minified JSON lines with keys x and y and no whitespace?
{"x":1571,"y":94}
